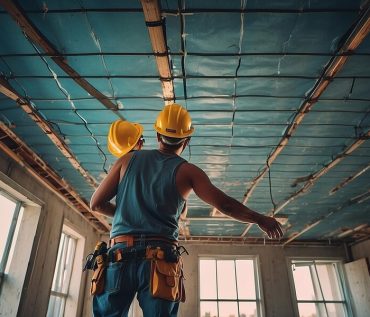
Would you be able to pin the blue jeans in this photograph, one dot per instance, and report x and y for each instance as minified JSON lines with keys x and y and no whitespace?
{"x":122,"y":281}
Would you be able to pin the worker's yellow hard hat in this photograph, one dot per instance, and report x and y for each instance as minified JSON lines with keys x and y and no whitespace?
{"x":123,"y":136}
{"x":174,"y":121}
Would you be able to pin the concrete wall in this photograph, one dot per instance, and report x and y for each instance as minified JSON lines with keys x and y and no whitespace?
{"x":277,"y":298}
{"x":40,"y":265}
{"x":361,"y":250}
{"x":358,"y":276}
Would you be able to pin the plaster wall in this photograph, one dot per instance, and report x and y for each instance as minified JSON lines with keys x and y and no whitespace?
{"x":361,"y":250}
{"x":33,"y":296}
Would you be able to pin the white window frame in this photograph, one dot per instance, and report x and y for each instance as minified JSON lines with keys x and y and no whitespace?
{"x":257,"y":277}
{"x":340,"y":277}
{"x":12,"y":281}
{"x":74,"y":280}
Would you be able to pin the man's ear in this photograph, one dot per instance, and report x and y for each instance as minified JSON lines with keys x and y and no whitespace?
{"x":158,"y":137}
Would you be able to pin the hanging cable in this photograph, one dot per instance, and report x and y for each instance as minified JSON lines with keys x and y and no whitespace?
{"x":270,"y":185}
{"x":67,"y":95}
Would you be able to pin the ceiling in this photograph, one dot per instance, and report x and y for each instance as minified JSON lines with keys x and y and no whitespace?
{"x":279,"y":93}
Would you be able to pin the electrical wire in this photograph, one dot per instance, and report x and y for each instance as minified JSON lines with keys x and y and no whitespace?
{"x":97,"y":43}
{"x":27,"y":98}
{"x":74,"y":109}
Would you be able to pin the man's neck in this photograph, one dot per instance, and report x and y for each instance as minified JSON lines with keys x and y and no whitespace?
{"x":167,"y":150}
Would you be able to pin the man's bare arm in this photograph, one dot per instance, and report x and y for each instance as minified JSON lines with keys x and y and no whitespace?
{"x":100,"y":200}
{"x":209,"y":193}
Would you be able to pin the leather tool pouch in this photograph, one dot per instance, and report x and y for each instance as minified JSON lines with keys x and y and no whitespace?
{"x":167,"y":280}
{"x":97,"y":281}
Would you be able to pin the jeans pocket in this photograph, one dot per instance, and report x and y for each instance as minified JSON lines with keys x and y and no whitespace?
{"x":114,"y":277}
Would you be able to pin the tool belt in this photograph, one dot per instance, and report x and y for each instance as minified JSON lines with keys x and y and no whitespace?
{"x":130,"y":240}
{"x":166,"y":268}
{"x":97,"y":261}
{"x":166,"y":278}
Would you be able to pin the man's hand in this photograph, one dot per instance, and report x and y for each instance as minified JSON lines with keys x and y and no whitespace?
{"x":271,"y":227}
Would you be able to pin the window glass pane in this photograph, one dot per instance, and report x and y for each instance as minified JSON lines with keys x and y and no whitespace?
{"x":71,"y":247}
{"x":6,"y":216}
{"x":328,"y":281}
{"x":303,"y":282}
{"x":208,"y":309}
{"x":226,"y":279}
{"x":307,"y":310}
{"x":15,"y":235}
{"x":228,"y":309}
{"x":336,"y":310}
{"x":207,"y":273}
{"x":245,"y":279}
{"x":63,"y":269}
{"x":248,"y":309}
{"x":62,"y":275}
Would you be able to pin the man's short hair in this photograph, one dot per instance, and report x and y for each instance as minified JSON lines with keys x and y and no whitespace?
{"x":175,"y":142}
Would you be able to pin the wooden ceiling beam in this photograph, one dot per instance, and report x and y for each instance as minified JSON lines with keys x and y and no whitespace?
{"x":14,"y":147}
{"x":359,"y":32}
{"x":355,"y":200}
{"x":349,"y":180}
{"x":312,"y":178}
{"x":8,"y":91}
{"x":35,"y":35}
{"x":154,"y":22}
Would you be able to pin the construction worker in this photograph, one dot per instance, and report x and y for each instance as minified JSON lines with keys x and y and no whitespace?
{"x":151,"y":187}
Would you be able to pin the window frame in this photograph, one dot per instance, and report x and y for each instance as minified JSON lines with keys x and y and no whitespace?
{"x":257,"y":278}
{"x":340,"y":274}
{"x":71,"y":304}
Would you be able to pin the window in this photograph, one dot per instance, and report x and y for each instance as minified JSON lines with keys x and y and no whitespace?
{"x":19,"y":217}
{"x":62,"y":275}
{"x":318,"y":288}
{"x":10,"y":210}
{"x":229,"y":288}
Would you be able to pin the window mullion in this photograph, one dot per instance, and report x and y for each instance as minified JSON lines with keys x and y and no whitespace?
{"x":71,"y":252}
{"x":322,"y":293}
{"x":257,"y":288}
{"x":60,"y":268}
{"x":316,"y":289}
{"x":218,"y":310}
{"x":236,"y":286}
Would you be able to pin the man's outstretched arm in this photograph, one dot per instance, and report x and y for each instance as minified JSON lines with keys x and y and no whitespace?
{"x":209,"y":193}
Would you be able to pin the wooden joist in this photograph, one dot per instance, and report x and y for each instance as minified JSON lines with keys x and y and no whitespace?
{"x":8,"y":91}
{"x":14,"y":147}
{"x":35,"y":35}
{"x":355,"y":38}
{"x":154,"y":22}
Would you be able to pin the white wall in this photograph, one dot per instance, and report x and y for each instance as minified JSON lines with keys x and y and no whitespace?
{"x":34,"y":295}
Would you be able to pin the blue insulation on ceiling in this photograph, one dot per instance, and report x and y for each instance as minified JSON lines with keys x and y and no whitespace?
{"x":242,"y":68}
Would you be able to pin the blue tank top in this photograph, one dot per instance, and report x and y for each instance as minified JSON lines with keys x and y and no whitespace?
{"x":147,"y":200}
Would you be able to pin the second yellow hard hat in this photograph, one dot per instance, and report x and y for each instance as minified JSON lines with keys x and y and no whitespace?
{"x":123,"y":136}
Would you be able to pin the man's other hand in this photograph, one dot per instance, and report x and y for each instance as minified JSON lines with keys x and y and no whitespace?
{"x":271,"y":227}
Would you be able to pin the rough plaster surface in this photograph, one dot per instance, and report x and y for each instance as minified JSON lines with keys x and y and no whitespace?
{"x":39,"y":275}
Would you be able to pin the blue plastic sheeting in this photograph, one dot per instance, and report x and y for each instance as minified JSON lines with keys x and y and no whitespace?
{"x":242,"y":69}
